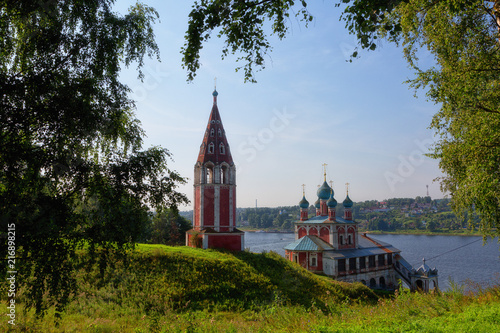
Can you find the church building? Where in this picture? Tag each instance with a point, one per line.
(331, 244)
(214, 213)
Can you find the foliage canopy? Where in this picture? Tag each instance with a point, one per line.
(72, 172)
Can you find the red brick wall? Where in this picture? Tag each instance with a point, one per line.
(233, 189)
(208, 207)
(224, 209)
(228, 242)
(197, 203)
(324, 234)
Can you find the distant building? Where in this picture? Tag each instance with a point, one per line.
(214, 214)
(332, 245)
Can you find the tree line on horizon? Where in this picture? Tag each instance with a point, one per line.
(419, 213)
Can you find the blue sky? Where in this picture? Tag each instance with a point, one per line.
(308, 108)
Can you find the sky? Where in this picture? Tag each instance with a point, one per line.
(309, 107)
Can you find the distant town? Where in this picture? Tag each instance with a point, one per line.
(420, 214)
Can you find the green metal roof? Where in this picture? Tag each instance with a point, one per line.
(324, 219)
(309, 243)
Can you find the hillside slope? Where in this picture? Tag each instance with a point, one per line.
(161, 278)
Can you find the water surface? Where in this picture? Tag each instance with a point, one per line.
(457, 258)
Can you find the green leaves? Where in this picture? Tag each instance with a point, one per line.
(463, 38)
(72, 169)
(242, 24)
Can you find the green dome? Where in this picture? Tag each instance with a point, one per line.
(324, 191)
(304, 203)
(215, 93)
(347, 202)
(331, 203)
(317, 204)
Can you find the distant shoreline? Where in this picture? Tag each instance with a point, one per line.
(379, 232)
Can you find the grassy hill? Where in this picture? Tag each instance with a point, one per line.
(179, 289)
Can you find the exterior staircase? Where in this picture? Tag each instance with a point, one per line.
(423, 278)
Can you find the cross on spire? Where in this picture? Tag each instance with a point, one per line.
(324, 170)
(347, 188)
(303, 189)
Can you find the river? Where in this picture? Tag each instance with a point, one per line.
(457, 258)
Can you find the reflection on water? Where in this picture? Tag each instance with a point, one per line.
(474, 261)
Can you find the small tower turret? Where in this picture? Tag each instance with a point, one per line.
(347, 205)
(304, 206)
(323, 195)
(332, 206)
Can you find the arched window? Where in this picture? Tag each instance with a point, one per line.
(224, 175)
(222, 149)
(349, 239)
(211, 148)
(210, 174)
(382, 282)
(212, 132)
(219, 132)
(341, 240)
(314, 260)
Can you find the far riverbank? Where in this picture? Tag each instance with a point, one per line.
(380, 232)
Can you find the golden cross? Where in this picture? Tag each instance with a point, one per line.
(215, 83)
(304, 189)
(347, 188)
(324, 170)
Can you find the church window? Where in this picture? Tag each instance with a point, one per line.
(371, 261)
(219, 132)
(212, 132)
(373, 283)
(222, 149)
(362, 263)
(211, 148)
(224, 177)
(381, 260)
(210, 175)
(352, 264)
(341, 240)
(349, 239)
(382, 282)
(341, 265)
(314, 260)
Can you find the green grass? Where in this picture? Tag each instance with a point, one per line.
(180, 289)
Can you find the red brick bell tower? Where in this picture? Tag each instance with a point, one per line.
(214, 213)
